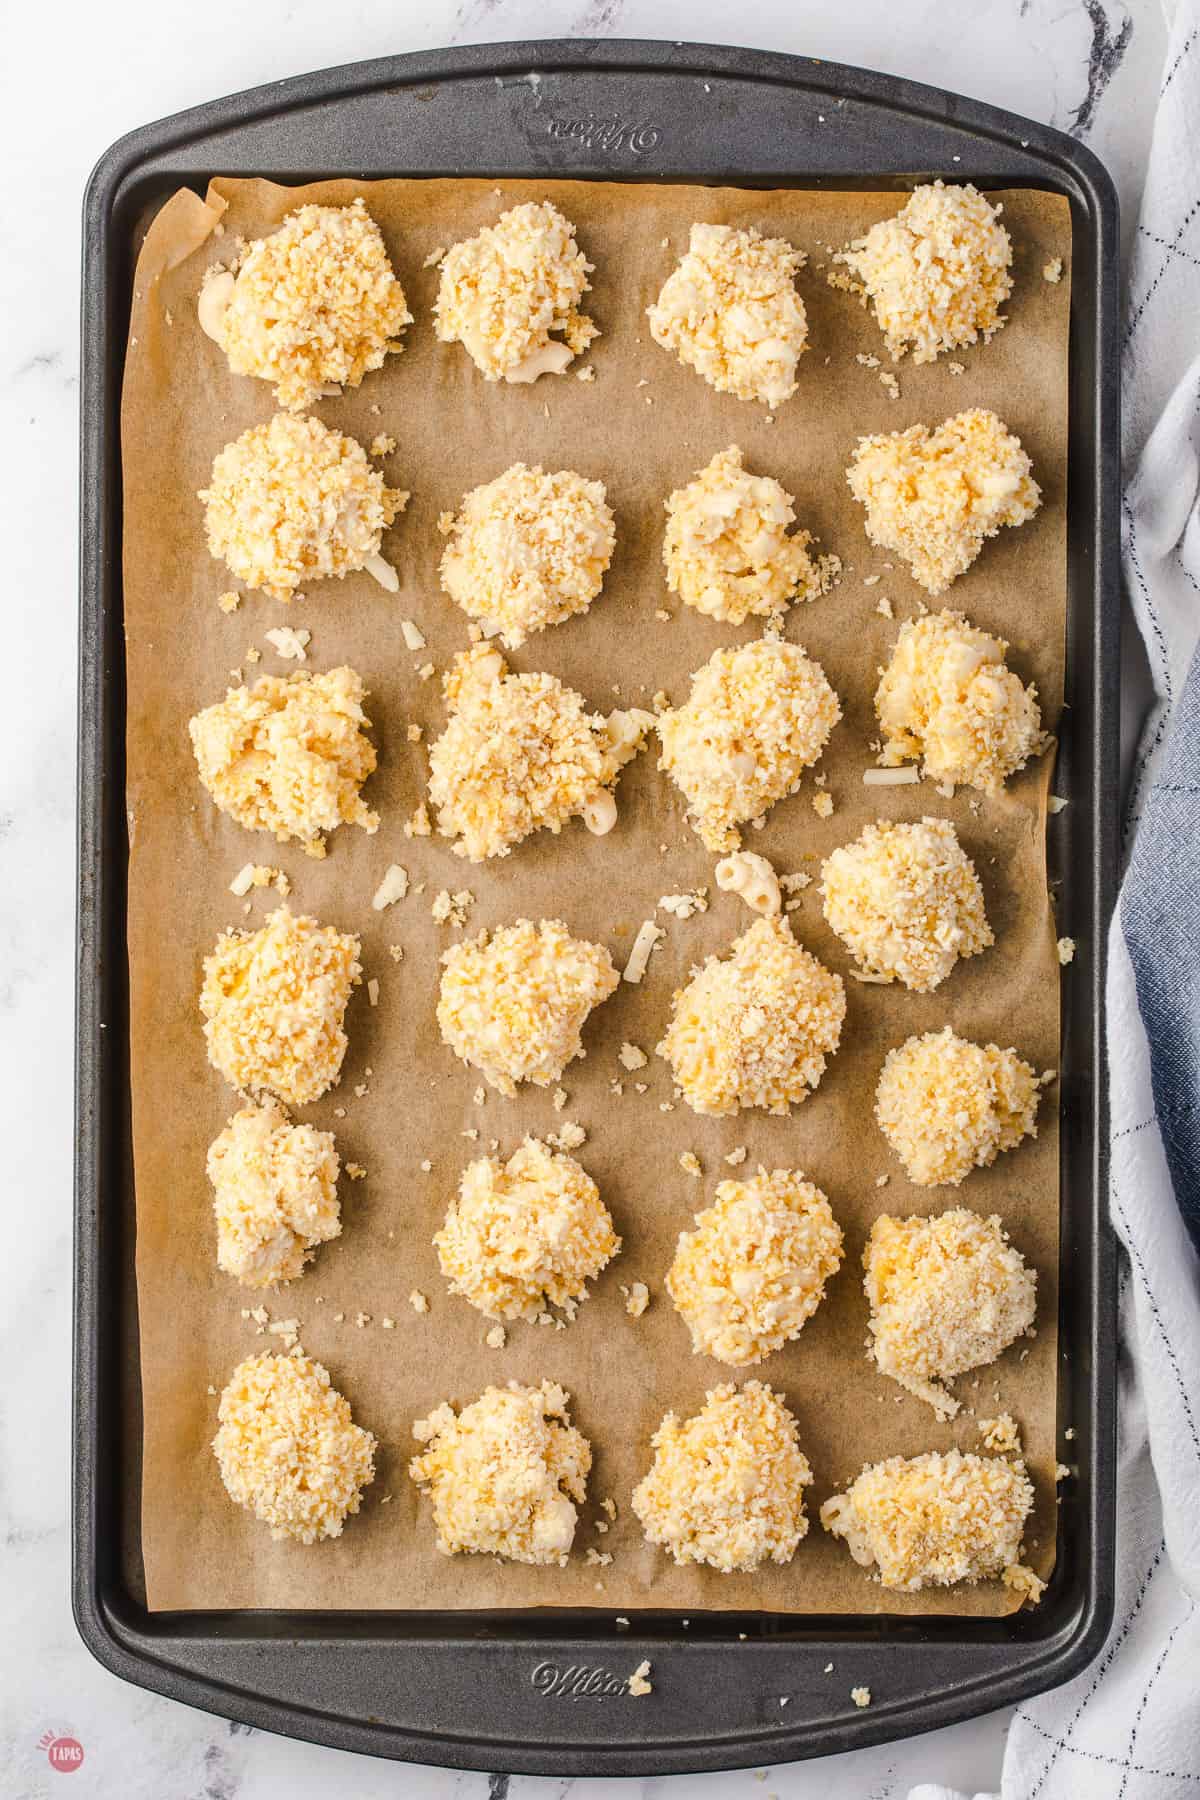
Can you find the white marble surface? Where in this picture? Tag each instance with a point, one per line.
(77, 78)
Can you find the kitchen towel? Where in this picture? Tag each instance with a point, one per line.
(1128, 1728)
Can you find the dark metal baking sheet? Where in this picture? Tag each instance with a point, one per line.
(543, 1692)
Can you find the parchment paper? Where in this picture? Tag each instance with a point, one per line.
(643, 426)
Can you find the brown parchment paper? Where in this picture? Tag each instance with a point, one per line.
(643, 426)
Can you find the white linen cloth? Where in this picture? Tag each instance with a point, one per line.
(1128, 1728)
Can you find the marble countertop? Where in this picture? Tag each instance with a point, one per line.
(83, 77)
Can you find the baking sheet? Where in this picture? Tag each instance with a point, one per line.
(180, 405)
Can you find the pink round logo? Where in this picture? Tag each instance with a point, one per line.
(64, 1754)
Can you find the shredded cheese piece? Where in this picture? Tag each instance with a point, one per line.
(934, 1520)
(273, 1001)
(754, 1028)
(754, 1270)
(274, 1195)
(937, 273)
(906, 901)
(512, 1004)
(525, 1234)
(507, 294)
(730, 311)
(289, 755)
(528, 550)
(947, 696)
(947, 1294)
(726, 1487)
(757, 716)
(947, 1106)
(288, 1448)
(292, 501)
(727, 550)
(520, 753)
(505, 1474)
(933, 496)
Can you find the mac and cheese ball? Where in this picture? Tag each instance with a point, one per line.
(754, 1028)
(288, 1448)
(757, 716)
(312, 307)
(947, 1294)
(754, 1270)
(273, 1002)
(289, 755)
(513, 1002)
(906, 902)
(726, 1487)
(730, 311)
(526, 1234)
(510, 295)
(505, 1475)
(947, 1106)
(274, 1195)
(527, 550)
(933, 496)
(948, 698)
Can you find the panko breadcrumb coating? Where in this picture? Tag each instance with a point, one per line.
(274, 1195)
(948, 697)
(511, 295)
(754, 1270)
(525, 1234)
(521, 753)
(273, 1002)
(289, 1450)
(937, 273)
(291, 501)
(726, 1487)
(730, 311)
(934, 495)
(527, 550)
(289, 755)
(513, 1002)
(727, 550)
(754, 1028)
(947, 1106)
(906, 901)
(947, 1294)
(505, 1474)
(934, 1520)
(314, 305)
(758, 715)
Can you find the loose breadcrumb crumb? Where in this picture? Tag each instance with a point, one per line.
(726, 1487)
(947, 1294)
(512, 1004)
(382, 444)
(934, 1520)
(292, 501)
(504, 1474)
(274, 1195)
(906, 901)
(229, 602)
(637, 1298)
(754, 1270)
(418, 1301)
(757, 716)
(511, 294)
(288, 1448)
(288, 645)
(935, 495)
(528, 550)
(525, 1234)
(1053, 270)
(631, 1057)
(727, 550)
(273, 1002)
(638, 1685)
(1002, 1434)
(948, 697)
(316, 304)
(947, 1106)
(393, 887)
(1066, 950)
(289, 755)
(861, 1696)
(822, 805)
(937, 274)
(754, 1028)
(730, 311)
